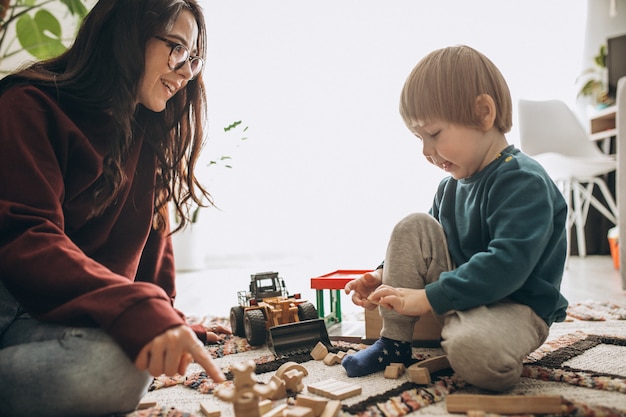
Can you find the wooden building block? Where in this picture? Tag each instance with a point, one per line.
(293, 380)
(265, 406)
(146, 404)
(419, 375)
(332, 409)
(287, 366)
(333, 389)
(210, 410)
(332, 359)
(504, 404)
(420, 372)
(281, 388)
(276, 411)
(475, 413)
(319, 352)
(394, 370)
(298, 411)
(435, 364)
(427, 331)
(316, 404)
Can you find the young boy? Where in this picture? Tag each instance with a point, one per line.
(488, 258)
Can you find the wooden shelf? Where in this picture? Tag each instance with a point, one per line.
(604, 134)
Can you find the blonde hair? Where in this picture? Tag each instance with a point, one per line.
(444, 86)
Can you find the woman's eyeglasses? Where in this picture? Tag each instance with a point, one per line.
(179, 55)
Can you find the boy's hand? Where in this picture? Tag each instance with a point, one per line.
(405, 301)
(363, 287)
(172, 351)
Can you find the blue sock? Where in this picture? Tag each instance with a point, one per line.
(377, 357)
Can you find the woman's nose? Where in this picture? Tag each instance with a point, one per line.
(186, 70)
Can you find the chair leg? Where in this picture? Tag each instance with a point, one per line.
(611, 212)
(578, 198)
(566, 190)
(579, 220)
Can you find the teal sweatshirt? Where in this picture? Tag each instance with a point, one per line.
(505, 228)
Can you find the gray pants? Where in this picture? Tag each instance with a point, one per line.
(485, 345)
(51, 370)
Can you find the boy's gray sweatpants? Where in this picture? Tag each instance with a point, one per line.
(485, 345)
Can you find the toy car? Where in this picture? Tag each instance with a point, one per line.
(265, 305)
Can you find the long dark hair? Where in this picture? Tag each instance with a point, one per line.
(101, 71)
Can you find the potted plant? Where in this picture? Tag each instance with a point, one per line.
(189, 250)
(594, 80)
(31, 26)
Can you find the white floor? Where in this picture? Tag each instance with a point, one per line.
(213, 291)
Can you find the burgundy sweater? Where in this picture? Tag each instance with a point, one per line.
(113, 271)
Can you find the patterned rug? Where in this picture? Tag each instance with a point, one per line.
(595, 311)
(583, 361)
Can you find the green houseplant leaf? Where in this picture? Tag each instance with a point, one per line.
(32, 26)
(76, 7)
(41, 35)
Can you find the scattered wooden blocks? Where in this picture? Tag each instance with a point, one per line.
(298, 411)
(419, 375)
(332, 359)
(332, 409)
(305, 406)
(394, 370)
(210, 410)
(504, 404)
(291, 373)
(293, 380)
(146, 404)
(246, 392)
(276, 412)
(420, 372)
(335, 390)
(319, 352)
(316, 404)
(281, 388)
(435, 364)
(265, 406)
(287, 366)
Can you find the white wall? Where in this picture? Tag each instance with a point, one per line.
(329, 166)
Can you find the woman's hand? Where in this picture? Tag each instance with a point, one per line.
(216, 332)
(363, 287)
(172, 351)
(409, 302)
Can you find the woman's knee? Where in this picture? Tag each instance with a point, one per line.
(113, 375)
(86, 374)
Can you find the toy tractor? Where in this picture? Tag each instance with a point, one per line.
(267, 305)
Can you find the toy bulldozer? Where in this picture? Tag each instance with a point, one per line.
(268, 307)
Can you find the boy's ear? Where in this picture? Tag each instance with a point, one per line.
(485, 109)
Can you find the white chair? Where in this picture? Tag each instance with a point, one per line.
(551, 133)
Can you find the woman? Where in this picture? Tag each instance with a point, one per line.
(94, 145)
